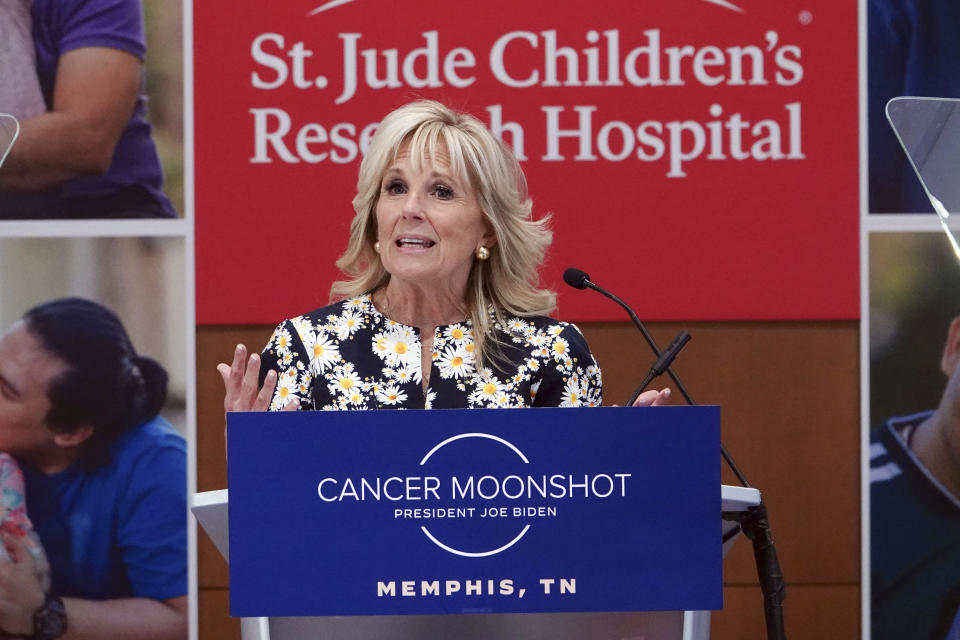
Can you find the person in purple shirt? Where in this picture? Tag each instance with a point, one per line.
(90, 155)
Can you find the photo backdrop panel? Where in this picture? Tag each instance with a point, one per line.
(711, 143)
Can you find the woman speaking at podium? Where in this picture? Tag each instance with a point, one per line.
(441, 307)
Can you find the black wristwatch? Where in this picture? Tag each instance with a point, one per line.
(50, 620)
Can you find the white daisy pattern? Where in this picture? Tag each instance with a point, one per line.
(350, 356)
(455, 362)
(324, 354)
(391, 395)
(287, 389)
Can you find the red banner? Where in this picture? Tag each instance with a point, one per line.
(699, 157)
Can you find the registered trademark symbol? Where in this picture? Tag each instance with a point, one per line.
(805, 17)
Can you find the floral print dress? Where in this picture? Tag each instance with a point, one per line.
(14, 520)
(350, 356)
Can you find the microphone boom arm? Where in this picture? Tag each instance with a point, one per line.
(673, 376)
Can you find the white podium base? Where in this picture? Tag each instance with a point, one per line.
(210, 508)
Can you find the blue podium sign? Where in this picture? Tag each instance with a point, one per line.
(474, 511)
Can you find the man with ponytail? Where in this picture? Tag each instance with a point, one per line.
(105, 480)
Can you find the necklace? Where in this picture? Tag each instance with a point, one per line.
(426, 341)
(383, 306)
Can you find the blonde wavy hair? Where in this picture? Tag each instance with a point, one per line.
(506, 283)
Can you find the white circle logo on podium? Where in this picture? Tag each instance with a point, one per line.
(475, 554)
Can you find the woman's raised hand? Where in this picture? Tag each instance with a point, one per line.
(241, 380)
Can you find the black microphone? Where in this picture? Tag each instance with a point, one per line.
(662, 364)
(576, 278)
(666, 358)
(579, 279)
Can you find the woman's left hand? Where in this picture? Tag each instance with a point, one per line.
(653, 398)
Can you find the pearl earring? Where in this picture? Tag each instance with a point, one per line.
(376, 246)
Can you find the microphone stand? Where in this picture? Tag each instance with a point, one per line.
(754, 522)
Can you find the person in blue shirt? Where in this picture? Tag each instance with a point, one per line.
(105, 480)
(912, 50)
(915, 516)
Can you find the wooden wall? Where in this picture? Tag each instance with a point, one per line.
(790, 398)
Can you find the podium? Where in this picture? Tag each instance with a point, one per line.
(608, 615)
